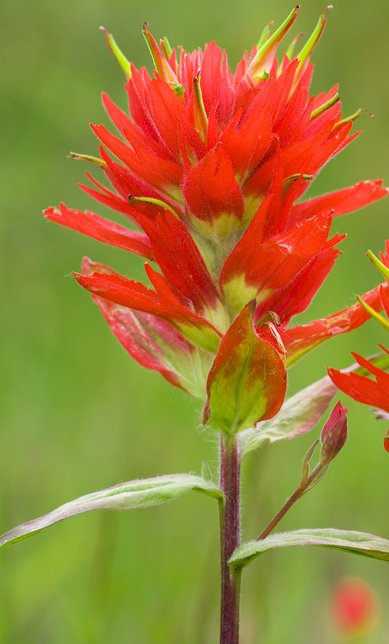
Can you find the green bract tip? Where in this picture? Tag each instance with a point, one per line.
(325, 106)
(153, 202)
(384, 270)
(86, 157)
(373, 313)
(117, 52)
(267, 43)
(265, 34)
(312, 41)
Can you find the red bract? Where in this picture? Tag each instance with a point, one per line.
(211, 165)
(364, 389)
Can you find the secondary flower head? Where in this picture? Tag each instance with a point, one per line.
(210, 165)
(355, 608)
(373, 392)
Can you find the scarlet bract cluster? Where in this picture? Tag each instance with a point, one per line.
(371, 391)
(211, 166)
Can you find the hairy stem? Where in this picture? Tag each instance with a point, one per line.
(229, 540)
(287, 505)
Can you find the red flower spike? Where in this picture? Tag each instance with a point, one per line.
(334, 434)
(210, 164)
(247, 381)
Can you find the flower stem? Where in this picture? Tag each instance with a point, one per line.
(306, 484)
(229, 540)
(281, 513)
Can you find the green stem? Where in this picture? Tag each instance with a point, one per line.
(229, 540)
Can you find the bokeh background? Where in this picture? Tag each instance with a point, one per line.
(78, 415)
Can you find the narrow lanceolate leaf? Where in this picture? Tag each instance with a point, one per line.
(247, 381)
(142, 493)
(300, 413)
(360, 543)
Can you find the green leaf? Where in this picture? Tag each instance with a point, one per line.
(300, 413)
(142, 493)
(360, 543)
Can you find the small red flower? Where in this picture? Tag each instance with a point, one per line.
(211, 165)
(355, 608)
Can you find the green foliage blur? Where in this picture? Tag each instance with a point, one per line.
(77, 414)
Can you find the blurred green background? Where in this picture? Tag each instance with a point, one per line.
(77, 414)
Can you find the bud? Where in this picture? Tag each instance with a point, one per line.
(334, 434)
(355, 608)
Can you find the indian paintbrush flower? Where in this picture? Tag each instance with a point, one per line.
(211, 166)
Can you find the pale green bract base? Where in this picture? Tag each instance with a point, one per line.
(142, 493)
